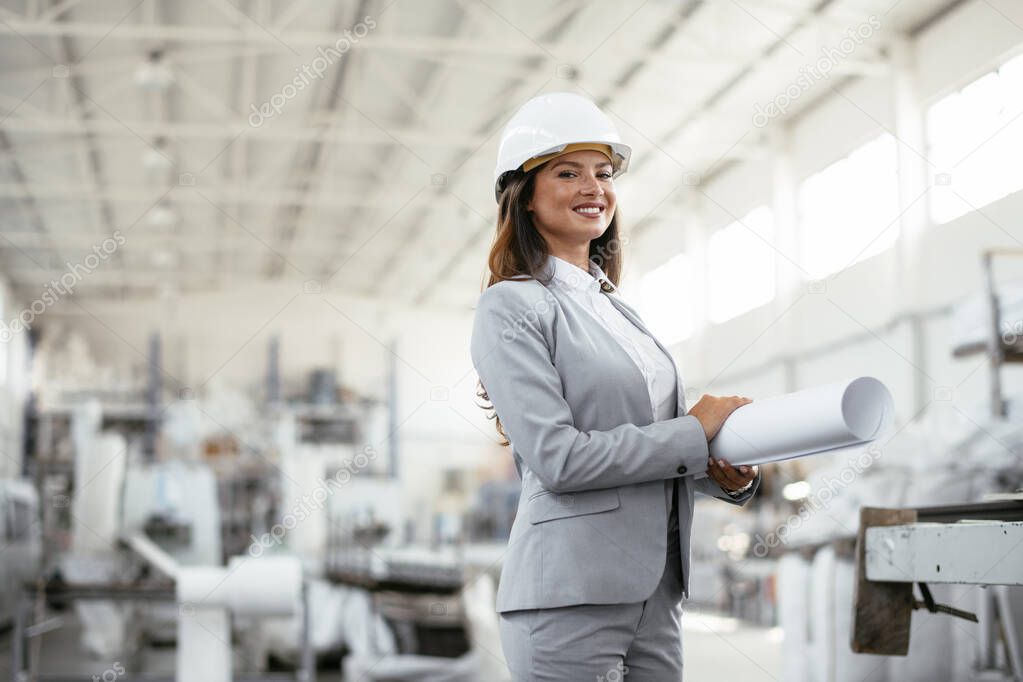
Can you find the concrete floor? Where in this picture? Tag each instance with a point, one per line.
(60, 652)
(715, 648)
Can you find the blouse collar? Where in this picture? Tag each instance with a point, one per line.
(572, 276)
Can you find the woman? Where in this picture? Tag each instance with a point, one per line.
(593, 406)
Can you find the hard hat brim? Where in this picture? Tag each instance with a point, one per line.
(621, 155)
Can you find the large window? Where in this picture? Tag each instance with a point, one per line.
(740, 265)
(849, 211)
(975, 138)
(665, 300)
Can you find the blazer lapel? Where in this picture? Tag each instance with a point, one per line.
(680, 405)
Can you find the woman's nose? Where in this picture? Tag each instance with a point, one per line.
(592, 186)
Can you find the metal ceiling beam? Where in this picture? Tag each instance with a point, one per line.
(289, 15)
(533, 80)
(203, 55)
(88, 157)
(195, 33)
(57, 10)
(27, 203)
(150, 275)
(754, 63)
(719, 163)
(184, 49)
(430, 91)
(185, 244)
(309, 159)
(238, 153)
(99, 295)
(184, 195)
(528, 87)
(217, 131)
(416, 46)
(194, 56)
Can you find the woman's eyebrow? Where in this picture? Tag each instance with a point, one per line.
(578, 165)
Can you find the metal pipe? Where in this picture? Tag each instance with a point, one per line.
(1001, 510)
(996, 353)
(307, 673)
(18, 637)
(154, 554)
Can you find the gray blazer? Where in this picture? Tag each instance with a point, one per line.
(591, 524)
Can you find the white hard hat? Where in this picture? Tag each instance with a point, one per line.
(547, 124)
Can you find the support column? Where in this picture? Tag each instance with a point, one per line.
(913, 178)
(789, 281)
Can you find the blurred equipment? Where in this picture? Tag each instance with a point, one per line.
(175, 505)
(992, 323)
(484, 661)
(22, 542)
(817, 574)
(323, 387)
(208, 596)
(947, 544)
(493, 511)
(99, 471)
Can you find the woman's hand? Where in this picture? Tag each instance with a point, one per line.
(728, 477)
(712, 411)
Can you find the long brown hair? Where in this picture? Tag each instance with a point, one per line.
(520, 250)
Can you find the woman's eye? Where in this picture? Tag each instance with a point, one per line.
(563, 174)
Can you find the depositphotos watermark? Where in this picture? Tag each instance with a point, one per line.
(575, 276)
(312, 501)
(315, 69)
(110, 674)
(64, 286)
(820, 499)
(615, 674)
(819, 70)
(1011, 332)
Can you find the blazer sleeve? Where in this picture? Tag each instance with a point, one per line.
(513, 359)
(709, 487)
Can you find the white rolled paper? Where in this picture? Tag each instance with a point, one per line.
(806, 422)
(248, 586)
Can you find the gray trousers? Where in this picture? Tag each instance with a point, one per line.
(640, 642)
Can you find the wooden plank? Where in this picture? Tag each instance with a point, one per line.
(882, 611)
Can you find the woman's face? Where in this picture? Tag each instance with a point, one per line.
(574, 197)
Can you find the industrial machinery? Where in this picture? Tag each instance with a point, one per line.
(972, 544)
(21, 539)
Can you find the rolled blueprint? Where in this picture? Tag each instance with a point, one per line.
(806, 422)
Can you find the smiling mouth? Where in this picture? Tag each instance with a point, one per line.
(589, 212)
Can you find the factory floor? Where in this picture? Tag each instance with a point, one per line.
(715, 647)
(61, 652)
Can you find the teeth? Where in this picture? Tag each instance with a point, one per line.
(592, 211)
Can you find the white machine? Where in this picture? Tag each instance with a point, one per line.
(21, 540)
